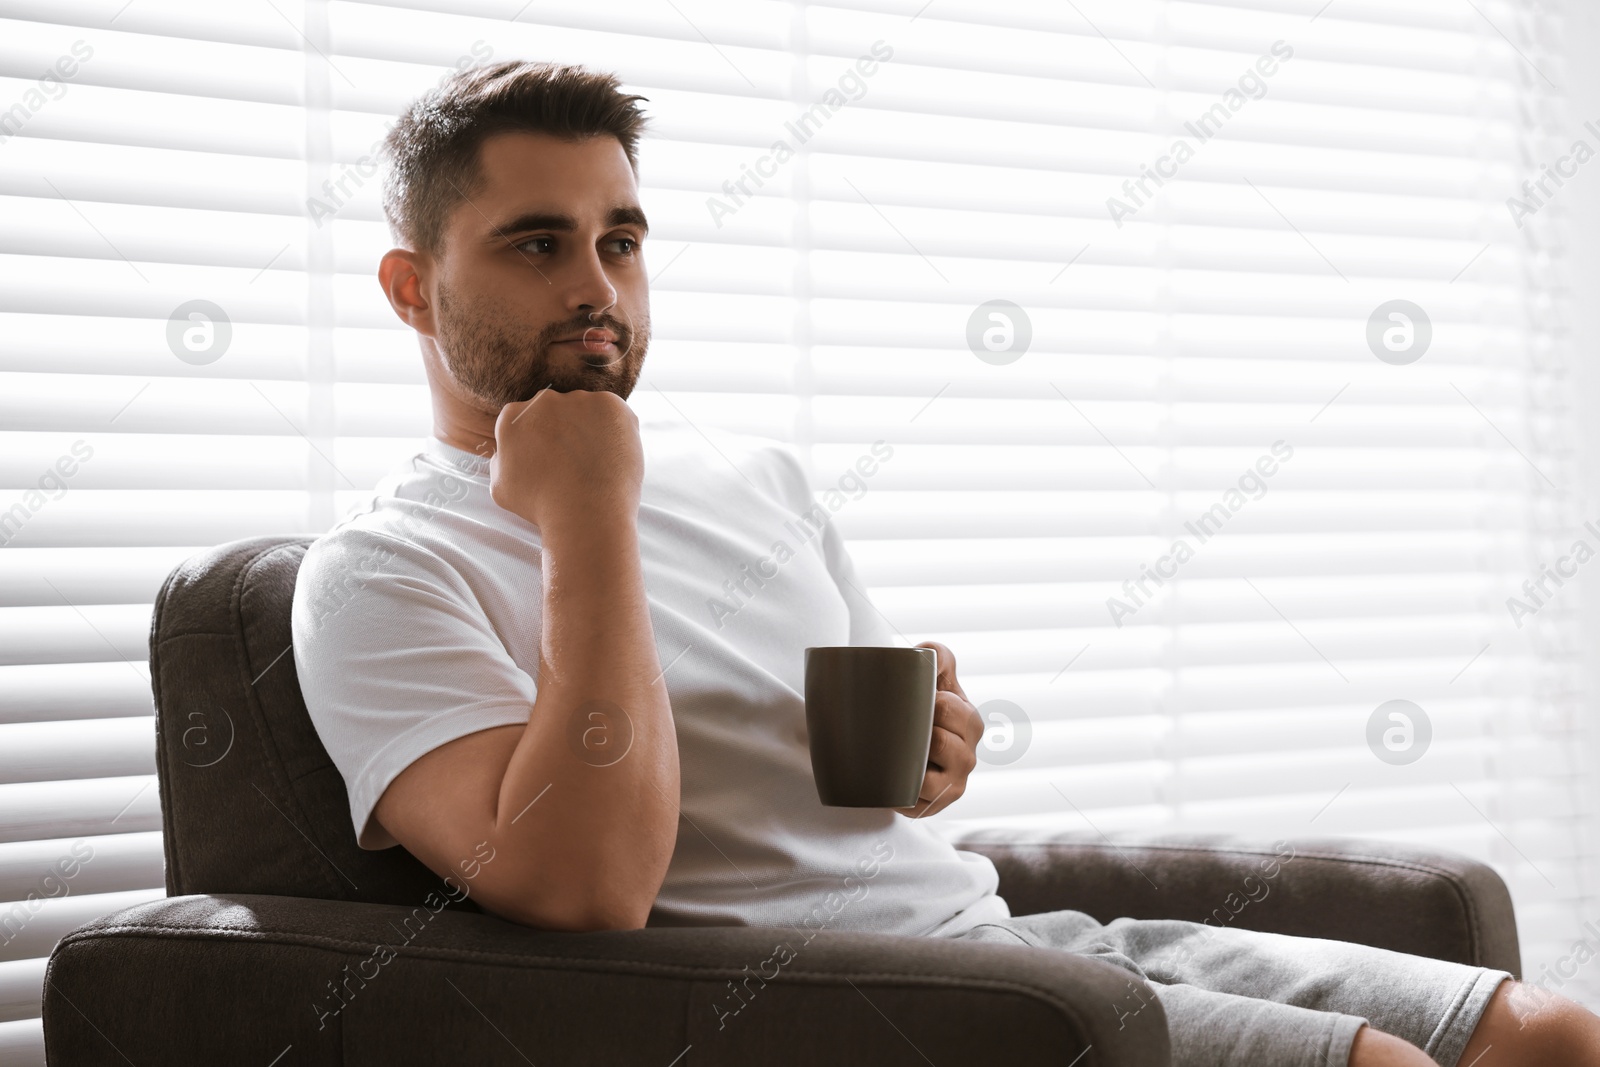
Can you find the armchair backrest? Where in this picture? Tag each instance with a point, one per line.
(250, 801)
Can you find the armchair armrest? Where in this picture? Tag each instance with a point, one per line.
(1408, 898)
(241, 978)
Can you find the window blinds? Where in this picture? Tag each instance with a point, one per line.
(1090, 270)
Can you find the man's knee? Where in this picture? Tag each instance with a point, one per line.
(1544, 1027)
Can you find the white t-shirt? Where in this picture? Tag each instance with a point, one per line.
(417, 620)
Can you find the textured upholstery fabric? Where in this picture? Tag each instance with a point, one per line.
(270, 816)
(1402, 897)
(235, 979)
(280, 935)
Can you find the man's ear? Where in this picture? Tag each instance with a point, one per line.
(400, 275)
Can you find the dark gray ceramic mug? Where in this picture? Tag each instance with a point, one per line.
(869, 714)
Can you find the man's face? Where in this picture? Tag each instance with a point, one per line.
(549, 247)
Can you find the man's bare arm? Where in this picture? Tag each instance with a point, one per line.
(581, 838)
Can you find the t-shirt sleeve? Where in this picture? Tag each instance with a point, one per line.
(868, 625)
(395, 658)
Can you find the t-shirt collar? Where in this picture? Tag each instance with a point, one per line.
(472, 465)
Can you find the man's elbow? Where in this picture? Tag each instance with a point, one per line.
(584, 921)
(586, 913)
(596, 921)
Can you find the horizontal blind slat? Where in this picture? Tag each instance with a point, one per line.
(84, 808)
(54, 867)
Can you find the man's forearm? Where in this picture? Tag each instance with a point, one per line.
(593, 828)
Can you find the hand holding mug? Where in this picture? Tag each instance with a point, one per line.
(953, 749)
(889, 727)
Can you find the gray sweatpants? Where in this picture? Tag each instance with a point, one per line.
(1239, 998)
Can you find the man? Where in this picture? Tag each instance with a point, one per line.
(509, 652)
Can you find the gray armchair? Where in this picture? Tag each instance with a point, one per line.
(281, 942)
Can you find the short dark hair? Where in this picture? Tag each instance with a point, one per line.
(433, 149)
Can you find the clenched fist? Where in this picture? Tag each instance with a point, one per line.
(567, 455)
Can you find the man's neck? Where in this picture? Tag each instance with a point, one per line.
(456, 420)
(468, 440)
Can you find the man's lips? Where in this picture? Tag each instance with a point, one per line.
(595, 339)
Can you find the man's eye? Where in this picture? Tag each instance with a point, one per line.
(523, 245)
(633, 245)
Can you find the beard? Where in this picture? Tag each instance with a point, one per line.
(500, 364)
